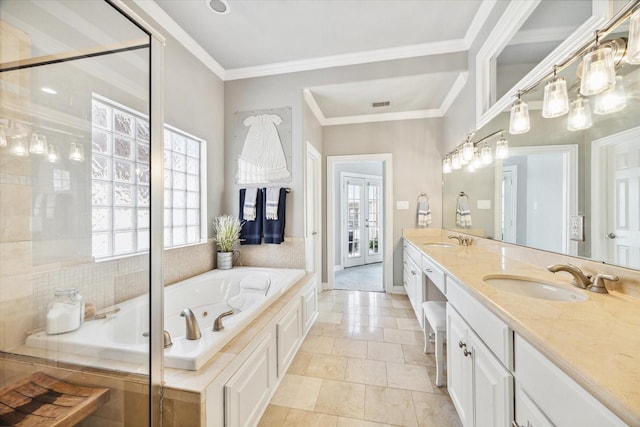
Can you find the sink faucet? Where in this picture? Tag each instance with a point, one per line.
(464, 241)
(217, 324)
(193, 330)
(585, 281)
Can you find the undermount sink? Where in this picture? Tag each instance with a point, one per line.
(439, 245)
(534, 288)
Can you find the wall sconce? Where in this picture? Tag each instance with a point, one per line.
(598, 70)
(19, 147)
(455, 161)
(467, 151)
(611, 100)
(633, 46)
(485, 154)
(519, 119)
(76, 152)
(38, 144)
(579, 114)
(556, 100)
(52, 153)
(502, 148)
(446, 165)
(476, 162)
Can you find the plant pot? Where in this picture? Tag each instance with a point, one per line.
(225, 260)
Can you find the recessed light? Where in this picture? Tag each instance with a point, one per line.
(49, 90)
(221, 7)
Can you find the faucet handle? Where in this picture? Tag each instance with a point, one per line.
(598, 283)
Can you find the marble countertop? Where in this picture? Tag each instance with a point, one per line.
(596, 341)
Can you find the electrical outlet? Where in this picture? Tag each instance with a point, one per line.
(576, 228)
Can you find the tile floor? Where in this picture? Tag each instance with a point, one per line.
(361, 365)
(361, 278)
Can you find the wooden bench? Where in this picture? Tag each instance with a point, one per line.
(41, 400)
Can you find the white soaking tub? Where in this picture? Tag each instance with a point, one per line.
(124, 336)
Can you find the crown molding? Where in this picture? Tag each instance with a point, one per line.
(313, 105)
(478, 21)
(453, 93)
(541, 35)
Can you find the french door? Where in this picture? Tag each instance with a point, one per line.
(361, 218)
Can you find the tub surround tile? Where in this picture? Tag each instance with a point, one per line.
(288, 254)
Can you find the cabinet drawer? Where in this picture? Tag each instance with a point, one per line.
(434, 273)
(563, 401)
(411, 251)
(493, 331)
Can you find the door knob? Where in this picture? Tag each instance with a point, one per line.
(313, 233)
(611, 236)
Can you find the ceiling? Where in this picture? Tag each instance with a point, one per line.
(267, 37)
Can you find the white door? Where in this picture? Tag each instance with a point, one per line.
(361, 218)
(313, 210)
(509, 203)
(623, 192)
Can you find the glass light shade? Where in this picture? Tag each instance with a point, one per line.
(76, 152)
(446, 165)
(19, 147)
(455, 161)
(579, 114)
(502, 148)
(476, 162)
(3, 136)
(467, 151)
(470, 167)
(556, 100)
(519, 120)
(485, 154)
(598, 71)
(52, 154)
(612, 100)
(38, 144)
(633, 44)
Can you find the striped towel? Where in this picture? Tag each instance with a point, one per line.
(424, 213)
(249, 208)
(273, 198)
(463, 213)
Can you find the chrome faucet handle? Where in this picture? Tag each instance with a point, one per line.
(598, 284)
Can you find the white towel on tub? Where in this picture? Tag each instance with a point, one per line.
(255, 282)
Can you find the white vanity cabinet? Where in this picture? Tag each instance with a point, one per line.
(412, 280)
(546, 396)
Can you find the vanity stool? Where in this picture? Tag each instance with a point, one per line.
(435, 320)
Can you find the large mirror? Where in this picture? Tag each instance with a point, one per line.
(571, 192)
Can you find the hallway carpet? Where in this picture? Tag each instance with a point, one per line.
(361, 365)
(361, 278)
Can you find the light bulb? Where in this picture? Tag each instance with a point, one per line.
(76, 152)
(556, 100)
(38, 144)
(19, 147)
(598, 71)
(476, 162)
(519, 119)
(611, 100)
(446, 165)
(485, 154)
(633, 45)
(502, 148)
(52, 153)
(579, 114)
(467, 151)
(455, 161)
(3, 136)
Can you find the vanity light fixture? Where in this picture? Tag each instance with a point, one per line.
(485, 154)
(19, 147)
(455, 161)
(446, 165)
(52, 153)
(38, 144)
(3, 136)
(519, 119)
(475, 161)
(598, 70)
(76, 152)
(611, 100)
(467, 150)
(579, 114)
(633, 46)
(556, 100)
(502, 148)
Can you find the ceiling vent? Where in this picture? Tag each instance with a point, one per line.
(381, 104)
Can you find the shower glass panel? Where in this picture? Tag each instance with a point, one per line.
(66, 321)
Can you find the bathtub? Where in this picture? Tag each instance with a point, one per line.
(124, 336)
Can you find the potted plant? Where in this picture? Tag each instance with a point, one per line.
(226, 232)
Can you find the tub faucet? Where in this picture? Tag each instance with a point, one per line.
(464, 241)
(217, 324)
(193, 330)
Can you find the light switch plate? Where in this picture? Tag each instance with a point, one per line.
(576, 228)
(402, 205)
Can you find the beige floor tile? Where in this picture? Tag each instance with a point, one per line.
(390, 405)
(300, 362)
(388, 352)
(317, 344)
(399, 303)
(329, 317)
(435, 410)
(406, 313)
(316, 329)
(335, 331)
(349, 348)
(341, 398)
(273, 416)
(327, 366)
(296, 391)
(408, 377)
(365, 371)
(352, 422)
(325, 306)
(408, 324)
(368, 333)
(399, 336)
(298, 418)
(415, 355)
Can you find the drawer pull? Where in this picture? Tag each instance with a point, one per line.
(466, 352)
(428, 270)
(461, 344)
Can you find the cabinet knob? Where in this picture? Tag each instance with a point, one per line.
(466, 352)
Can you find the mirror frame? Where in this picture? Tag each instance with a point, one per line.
(506, 28)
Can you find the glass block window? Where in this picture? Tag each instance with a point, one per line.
(121, 196)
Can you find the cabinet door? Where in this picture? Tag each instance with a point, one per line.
(459, 367)
(309, 307)
(527, 413)
(492, 387)
(288, 336)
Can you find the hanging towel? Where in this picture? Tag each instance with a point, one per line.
(251, 232)
(424, 211)
(249, 207)
(463, 213)
(274, 228)
(262, 159)
(271, 205)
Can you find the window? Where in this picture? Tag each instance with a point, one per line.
(121, 182)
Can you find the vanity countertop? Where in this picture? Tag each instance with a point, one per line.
(594, 341)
